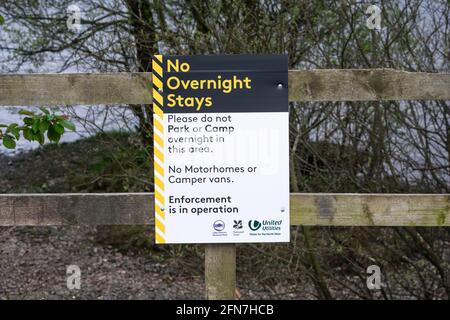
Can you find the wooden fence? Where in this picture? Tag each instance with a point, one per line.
(306, 209)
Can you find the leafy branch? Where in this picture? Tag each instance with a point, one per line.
(34, 128)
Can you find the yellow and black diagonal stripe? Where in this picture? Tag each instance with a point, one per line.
(158, 146)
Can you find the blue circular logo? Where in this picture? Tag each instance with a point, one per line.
(219, 225)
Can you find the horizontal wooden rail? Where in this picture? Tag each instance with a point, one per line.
(367, 85)
(304, 85)
(306, 209)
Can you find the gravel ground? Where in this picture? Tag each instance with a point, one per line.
(34, 261)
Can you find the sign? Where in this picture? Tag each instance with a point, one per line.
(221, 148)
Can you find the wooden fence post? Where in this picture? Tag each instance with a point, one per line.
(220, 271)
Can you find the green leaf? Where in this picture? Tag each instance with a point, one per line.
(11, 127)
(68, 125)
(28, 121)
(26, 112)
(41, 138)
(27, 134)
(16, 133)
(44, 110)
(8, 142)
(2, 20)
(34, 136)
(43, 125)
(53, 135)
(36, 125)
(59, 128)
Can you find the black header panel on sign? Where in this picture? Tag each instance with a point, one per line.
(225, 83)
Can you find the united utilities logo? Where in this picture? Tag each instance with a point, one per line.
(265, 226)
(254, 225)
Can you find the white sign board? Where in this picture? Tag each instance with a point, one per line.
(221, 149)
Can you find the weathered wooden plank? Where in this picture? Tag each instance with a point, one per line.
(367, 85)
(306, 209)
(370, 209)
(74, 89)
(220, 271)
(74, 209)
(304, 85)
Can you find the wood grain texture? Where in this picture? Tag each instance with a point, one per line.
(367, 85)
(304, 85)
(370, 209)
(220, 271)
(74, 89)
(76, 209)
(306, 209)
